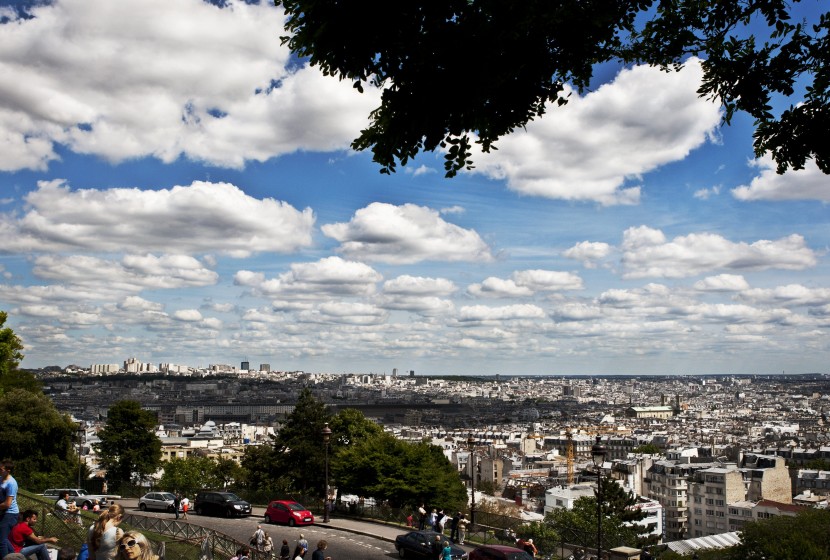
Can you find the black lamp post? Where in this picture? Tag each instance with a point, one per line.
(598, 453)
(326, 437)
(470, 443)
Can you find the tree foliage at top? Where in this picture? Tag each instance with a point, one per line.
(455, 68)
(129, 449)
(579, 525)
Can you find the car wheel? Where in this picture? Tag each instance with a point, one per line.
(291, 522)
(171, 509)
(267, 518)
(142, 506)
(199, 511)
(401, 552)
(228, 513)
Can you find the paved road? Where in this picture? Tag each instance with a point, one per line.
(348, 539)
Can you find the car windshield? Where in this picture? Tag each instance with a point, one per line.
(296, 507)
(83, 493)
(231, 497)
(167, 496)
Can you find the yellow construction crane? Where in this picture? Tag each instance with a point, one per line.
(569, 454)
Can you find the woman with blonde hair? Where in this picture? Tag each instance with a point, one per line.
(104, 533)
(135, 546)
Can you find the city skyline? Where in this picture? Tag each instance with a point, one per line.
(184, 193)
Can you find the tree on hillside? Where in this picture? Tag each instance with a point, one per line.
(458, 68)
(579, 525)
(38, 438)
(401, 472)
(647, 449)
(786, 538)
(192, 473)
(10, 349)
(129, 449)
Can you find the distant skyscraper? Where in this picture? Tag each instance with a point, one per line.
(245, 366)
(412, 373)
(264, 367)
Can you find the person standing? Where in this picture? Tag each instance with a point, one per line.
(462, 528)
(422, 517)
(8, 506)
(258, 538)
(454, 526)
(268, 546)
(432, 519)
(24, 540)
(177, 503)
(446, 552)
(285, 550)
(437, 548)
(185, 506)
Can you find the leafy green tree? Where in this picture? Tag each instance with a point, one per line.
(401, 472)
(647, 449)
(261, 481)
(38, 438)
(459, 67)
(10, 350)
(786, 538)
(193, 473)
(579, 525)
(129, 449)
(544, 536)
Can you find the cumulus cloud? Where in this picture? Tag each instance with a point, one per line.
(589, 253)
(648, 253)
(523, 283)
(802, 184)
(203, 217)
(704, 194)
(588, 149)
(789, 295)
(405, 234)
(722, 283)
(331, 275)
(418, 285)
(161, 90)
(480, 313)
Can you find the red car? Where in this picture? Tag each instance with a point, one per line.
(286, 511)
(498, 552)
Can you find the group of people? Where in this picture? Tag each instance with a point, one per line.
(437, 520)
(527, 546)
(105, 540)
(262, 542)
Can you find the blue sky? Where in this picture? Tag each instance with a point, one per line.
(159, 200)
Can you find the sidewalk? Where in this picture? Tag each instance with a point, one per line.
(378, 530)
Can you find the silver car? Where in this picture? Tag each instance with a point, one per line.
(162, 501)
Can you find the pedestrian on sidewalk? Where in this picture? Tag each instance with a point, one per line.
(462, 528)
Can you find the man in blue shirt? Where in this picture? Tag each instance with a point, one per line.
(8, 506)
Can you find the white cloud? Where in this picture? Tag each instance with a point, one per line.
(170, 79)
(499, 288)
(525, 283)
(133, 273)
(803, 184)
(588, 252)
(704, 194)
(589, 148)
(647, 253)
(202, 217)
(328, 276)
(405, 234)
(187, 315)
(722, 283)
(503, 313)
(407, 285)
(789, 295)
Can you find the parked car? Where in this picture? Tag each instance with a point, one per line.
(418, 544)
(78, 495)
(499, 552)
(162, 501)
(286, 511)
(225, 504)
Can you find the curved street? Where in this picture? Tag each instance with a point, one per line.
(348, 539)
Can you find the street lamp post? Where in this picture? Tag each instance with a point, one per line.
(326, 438)
(470, 443)
(80, 450)
(598, 453)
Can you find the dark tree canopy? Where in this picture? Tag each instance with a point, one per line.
(10, 348)
(486, 67)
(129, 449)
